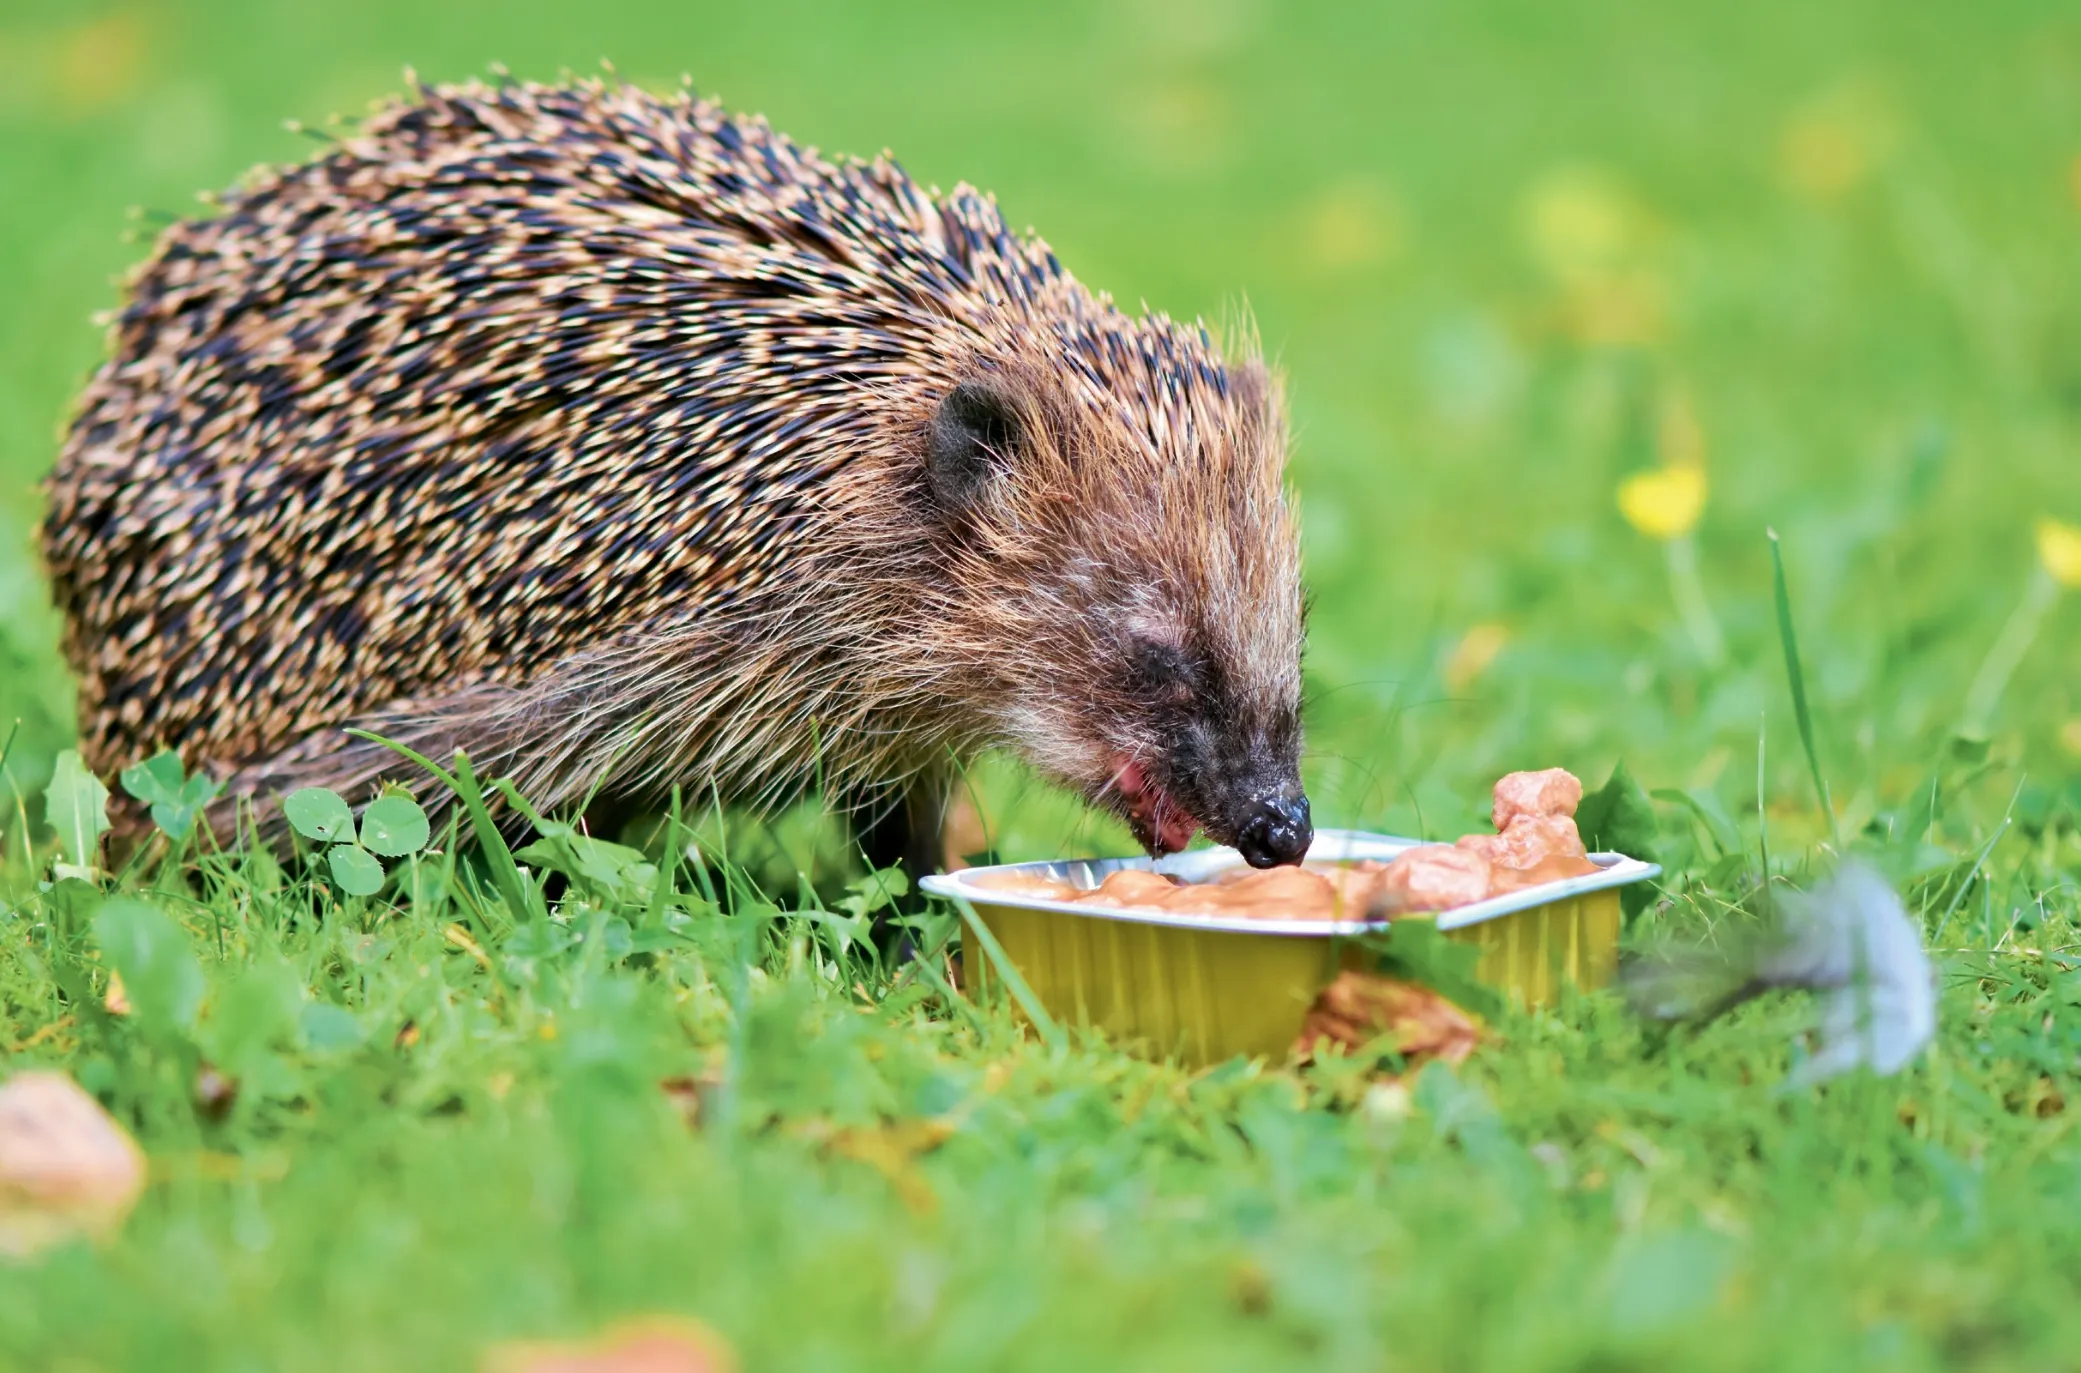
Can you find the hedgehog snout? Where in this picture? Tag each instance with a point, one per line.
(1278, 830)
(1247, 795)
(1258, 808)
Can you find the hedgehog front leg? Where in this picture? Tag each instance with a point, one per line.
(903, 827)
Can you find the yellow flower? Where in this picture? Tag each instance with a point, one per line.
(1664, 502)
(2059, 549)
(1472, 656)
(1578, 222)
(1355, 223)
(1181, 124)
(99, 63)
(1617, 308)
(1835, 142)
(1597, 244)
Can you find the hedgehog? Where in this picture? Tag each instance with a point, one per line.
(625, 445)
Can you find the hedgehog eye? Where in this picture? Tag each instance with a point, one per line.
(974, 436)
(1162, 669)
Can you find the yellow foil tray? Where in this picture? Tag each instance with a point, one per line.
(1205, 989)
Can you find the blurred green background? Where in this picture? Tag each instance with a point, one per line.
(1507, 255)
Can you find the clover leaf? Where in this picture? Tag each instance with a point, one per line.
(318, 814)
(392, 825)
(357, 873)
(175, 798)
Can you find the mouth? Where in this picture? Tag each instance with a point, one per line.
(1159, 823)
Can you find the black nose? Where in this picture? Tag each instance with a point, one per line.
(1279, 832)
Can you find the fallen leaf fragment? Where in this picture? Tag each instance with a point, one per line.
(903, 1139)
(460, 938)
(1250, 1287)
(890, 1150)
(214, 1165)
(692, 1095)
(1358, 1008)
(116, 1001)
(215, 1093)
(657, 1345)
(66, 1167)
(43, 1035)
(1388, 1102)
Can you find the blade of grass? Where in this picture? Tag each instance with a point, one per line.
(1762, 809)
(925, 968)
(1793, 672)
(975, 803)
(523, 898)
(20, 805)
(750, 932)
(463, 782)
(668, 867)
(504, 787)
(737, 883)
(1957, 897)
(1043, 1023)
(699, 867)
(2006, 654)
(816, 744)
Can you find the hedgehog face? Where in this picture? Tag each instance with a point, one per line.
(1200, 748)
(1137, 586)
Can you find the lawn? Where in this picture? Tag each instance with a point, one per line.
(1540, 277)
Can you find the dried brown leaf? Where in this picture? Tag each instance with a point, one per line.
(655, 1345)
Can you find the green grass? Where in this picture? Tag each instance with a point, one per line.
(1494, 248)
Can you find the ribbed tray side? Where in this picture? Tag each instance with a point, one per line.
(1533, 953)
(1204, 996)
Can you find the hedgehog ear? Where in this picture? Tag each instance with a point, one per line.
(975, 435)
